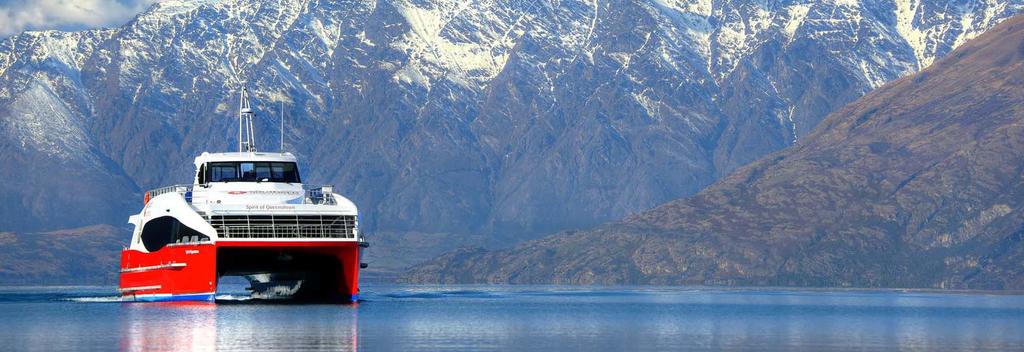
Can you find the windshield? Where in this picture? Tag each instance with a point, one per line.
(250, 172)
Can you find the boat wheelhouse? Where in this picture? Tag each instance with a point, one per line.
(247, 214)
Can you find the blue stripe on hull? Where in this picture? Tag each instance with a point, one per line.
(209, 297)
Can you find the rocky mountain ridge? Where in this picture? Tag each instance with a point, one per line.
(504, 119)
(918, 184)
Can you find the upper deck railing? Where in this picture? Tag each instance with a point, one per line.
(181, 189)
(319, 195)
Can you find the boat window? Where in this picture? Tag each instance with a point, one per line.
(201, 175)
(288, 172)
(247, 171)
(164, 230)
(223, 172)
(252, 172)
(263, 171)
(282, 171)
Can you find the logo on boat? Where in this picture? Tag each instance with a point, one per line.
(269, 193)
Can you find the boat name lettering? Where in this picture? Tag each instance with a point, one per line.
(268, 207)
(191, 251)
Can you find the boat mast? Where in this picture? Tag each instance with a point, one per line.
(246, 131)
(282, 125)
(240, 121)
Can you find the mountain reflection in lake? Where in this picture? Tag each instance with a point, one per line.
(393, 317)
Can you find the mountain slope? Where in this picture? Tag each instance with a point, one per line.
(82, 256)
(513, 119)
(918, 184)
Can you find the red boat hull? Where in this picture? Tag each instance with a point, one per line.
(190, 271)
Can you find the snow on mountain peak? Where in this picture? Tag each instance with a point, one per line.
(490, 109)
(456, 41)
(696, 7)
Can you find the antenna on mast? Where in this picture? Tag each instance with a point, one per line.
(246, 131)
(281, 108)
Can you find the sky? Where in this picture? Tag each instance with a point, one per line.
(20, 15)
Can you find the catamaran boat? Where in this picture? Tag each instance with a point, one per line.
(246, 214)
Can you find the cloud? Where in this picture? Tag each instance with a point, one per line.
(20, 15)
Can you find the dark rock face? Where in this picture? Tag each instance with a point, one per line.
(504, 119)
(82, 256)
(918, 184)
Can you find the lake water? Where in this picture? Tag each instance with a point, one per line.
(402, 318)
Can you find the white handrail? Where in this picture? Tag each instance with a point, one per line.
(182, 189)
(319, 194)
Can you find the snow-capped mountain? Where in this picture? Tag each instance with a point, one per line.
(514, 118)
(916, 184)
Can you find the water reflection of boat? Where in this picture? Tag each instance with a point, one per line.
(163, 327)
(243, 326)
(246, 214)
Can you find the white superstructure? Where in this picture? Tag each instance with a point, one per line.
(251, 196)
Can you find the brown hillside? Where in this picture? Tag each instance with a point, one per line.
(917, 184)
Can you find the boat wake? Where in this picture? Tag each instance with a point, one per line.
(232, 298)
(103, 299)
(416, 294)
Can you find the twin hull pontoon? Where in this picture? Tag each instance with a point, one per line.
(246, 214)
